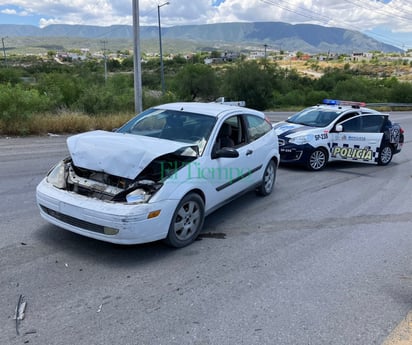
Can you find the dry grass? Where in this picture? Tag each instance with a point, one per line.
(63, 123)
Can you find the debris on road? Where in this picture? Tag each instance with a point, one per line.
(20, 310)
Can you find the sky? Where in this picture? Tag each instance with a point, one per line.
(389, 21)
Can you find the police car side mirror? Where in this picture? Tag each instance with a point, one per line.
(339, 128)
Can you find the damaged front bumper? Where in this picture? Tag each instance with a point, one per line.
(107, 221)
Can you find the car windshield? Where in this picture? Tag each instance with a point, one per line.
(315, 117)
(173, 125)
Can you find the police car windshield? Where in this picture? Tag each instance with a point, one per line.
(314, 117)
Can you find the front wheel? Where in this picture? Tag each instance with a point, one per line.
(317, 160)
(187, 221)
(268, 180)
(385, 154)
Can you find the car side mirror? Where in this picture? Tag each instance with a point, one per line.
(339, 128)
(225, 152)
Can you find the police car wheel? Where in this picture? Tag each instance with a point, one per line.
(317, 160)
(385, 155)
(268, 180)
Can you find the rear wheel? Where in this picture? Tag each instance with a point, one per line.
(187, 221)
(317, 160)
(385, 154)
(268, 180)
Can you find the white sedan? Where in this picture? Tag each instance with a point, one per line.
(160, 174)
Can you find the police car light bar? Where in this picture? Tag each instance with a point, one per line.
(340, 102)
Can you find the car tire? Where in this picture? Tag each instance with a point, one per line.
(187, 221)
(268, 179)
(317, 160)
(385, 154)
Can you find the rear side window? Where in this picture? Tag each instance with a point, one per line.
(365, 124)
(257, 127)
(373, 123)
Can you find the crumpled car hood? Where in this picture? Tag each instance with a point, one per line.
(124, 155)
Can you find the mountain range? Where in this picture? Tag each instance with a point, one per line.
(273, 35)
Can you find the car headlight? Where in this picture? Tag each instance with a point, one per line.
(301, 140)
(138, 196)
(57, 175)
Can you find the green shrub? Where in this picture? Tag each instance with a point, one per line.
(195, 81)
(249, 82)
(10, 75)
(63, 89)
(401, 92)
(18, 103)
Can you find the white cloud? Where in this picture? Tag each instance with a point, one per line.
(9, 11)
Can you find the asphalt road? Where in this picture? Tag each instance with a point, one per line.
(326, 259)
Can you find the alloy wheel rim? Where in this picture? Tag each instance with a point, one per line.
(317, 160)
(386, 155)
(269, 178)
(187, 220)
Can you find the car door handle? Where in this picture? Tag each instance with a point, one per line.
(249, 152)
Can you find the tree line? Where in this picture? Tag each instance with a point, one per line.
(36, 87)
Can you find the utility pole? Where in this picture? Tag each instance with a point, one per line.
(162, 74)
(105, 59)
(136, 59)
(4, 50)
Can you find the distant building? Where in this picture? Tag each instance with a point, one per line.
(230, 56)
(257, 55)
(209, 61)
(328, 57)
(68, 57)
(224, 57)
(361, 56)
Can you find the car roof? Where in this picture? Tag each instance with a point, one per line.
(211, 109)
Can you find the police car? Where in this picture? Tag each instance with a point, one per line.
(338, 131)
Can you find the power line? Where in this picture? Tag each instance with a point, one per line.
(391, 14)
(400, 9)
(324, 19)
(378, 10)
(310, 14)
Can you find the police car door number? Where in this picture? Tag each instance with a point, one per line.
(322, 136)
